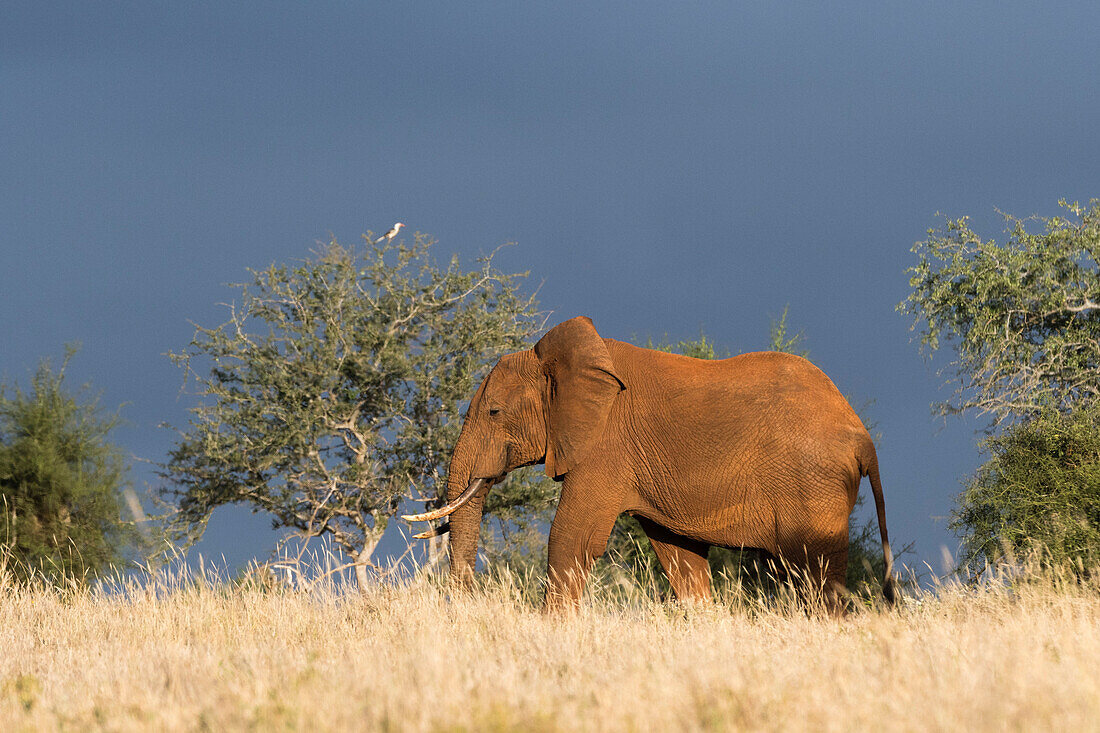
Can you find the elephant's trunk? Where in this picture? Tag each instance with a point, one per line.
(466, 492)
(465, 519)
(465, 498)
(465, 528)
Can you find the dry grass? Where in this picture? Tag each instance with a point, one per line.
(185, 654)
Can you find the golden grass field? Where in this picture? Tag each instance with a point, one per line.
(178, 653)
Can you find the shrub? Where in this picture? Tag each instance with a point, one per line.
(1039, 492)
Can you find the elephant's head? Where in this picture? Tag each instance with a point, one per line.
(546, 405)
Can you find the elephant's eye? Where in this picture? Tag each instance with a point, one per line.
(494, 411)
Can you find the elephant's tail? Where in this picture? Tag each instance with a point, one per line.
(870, 470)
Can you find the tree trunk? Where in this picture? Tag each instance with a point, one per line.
(361, 577)
(362, 562)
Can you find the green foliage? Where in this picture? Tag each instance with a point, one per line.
(1024, 320)
(700, 348)
(60, 481)
(1021, 315)
(333, 393)
(520, 510)
(1038, 494)
(780, 339)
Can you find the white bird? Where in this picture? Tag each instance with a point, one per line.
(390, 234)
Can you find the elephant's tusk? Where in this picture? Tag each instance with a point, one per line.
(443, 511)
(434, 532)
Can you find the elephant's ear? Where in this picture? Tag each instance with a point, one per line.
(581, 386)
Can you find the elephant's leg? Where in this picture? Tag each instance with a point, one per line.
(578, 535)
(684, 561)
(824, 569)
(834, 579)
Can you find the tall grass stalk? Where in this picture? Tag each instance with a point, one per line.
(179, 649)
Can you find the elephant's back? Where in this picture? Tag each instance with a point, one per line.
(745, 396)
(778, 373)
(758, 378)
(790, 389)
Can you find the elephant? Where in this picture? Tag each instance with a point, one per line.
(755, 451)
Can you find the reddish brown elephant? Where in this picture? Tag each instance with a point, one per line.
(758, 451)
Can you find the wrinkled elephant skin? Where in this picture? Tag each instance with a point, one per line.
(760, 450)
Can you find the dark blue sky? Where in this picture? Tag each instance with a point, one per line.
(664, 168)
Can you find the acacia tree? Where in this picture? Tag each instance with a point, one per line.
(332, 394)
(1023, 316)
(1024, 320)
(61, 481)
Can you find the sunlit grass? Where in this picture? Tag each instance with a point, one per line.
(179, 650)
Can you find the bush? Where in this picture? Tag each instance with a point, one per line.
(61, 482)
(1039, 493)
